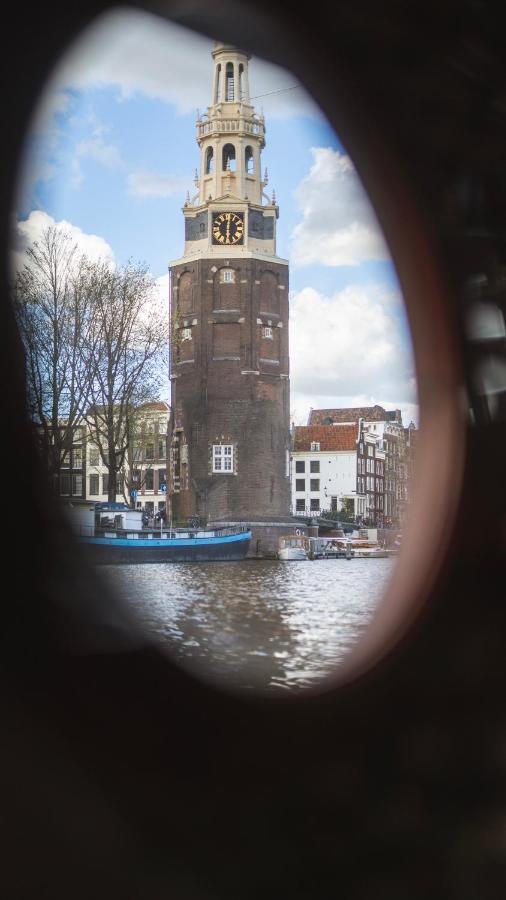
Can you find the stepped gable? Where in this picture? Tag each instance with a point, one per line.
(348, 414)
(330, 437)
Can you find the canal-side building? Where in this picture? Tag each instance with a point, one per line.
(387, 490)
(142, 481)
(230, 434)
(324, 471)
(71, 479)
(371, 455)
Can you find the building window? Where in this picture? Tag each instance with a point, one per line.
(300, 505)
(93, 485)
(300, 465)
(229, 80)
(361, 446)
(223, 458)
(228, 276)
(105, 483)
(162, 448)
(64, 484)
(315, 446)
(249, 161)
(209, 161)
(228, 157)
(314, 466)
(300, 484)
(77, 485)
(370, 450)
(77, 458)
(148, 480)
(186, 334)
(267, 332)
(333, 504)
(315, 504)
(94, 457)
(150, 450)
(314, 484)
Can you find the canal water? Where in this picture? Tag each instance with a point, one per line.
(259, 624)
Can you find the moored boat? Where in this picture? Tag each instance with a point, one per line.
(365, 548)
(171, 545)
(332, 548)
(122, 539)
(293, 547)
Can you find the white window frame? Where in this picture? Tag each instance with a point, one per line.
(228, 276)
(267, 332)
(223, 459)
(315, 446)
(186, 334)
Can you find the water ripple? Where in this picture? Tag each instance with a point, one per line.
(264, 625)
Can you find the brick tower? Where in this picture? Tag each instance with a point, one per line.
(229, 322)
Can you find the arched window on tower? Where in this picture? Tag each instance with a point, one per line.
(230, 81)
(229, 158)
(241, 82)
(249, 161)
(209, 161)
(218, 84)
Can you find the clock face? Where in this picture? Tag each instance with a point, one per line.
(228, 228)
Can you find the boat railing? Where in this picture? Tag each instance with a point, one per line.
(164, 532)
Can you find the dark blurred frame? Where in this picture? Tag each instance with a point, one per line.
(120, 769)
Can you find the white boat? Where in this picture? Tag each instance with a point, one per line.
(293, 547)
(371, 551)
(333, 547)
(365, 548)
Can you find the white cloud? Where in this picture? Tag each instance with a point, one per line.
(163, 290)
(151, 184)
(338, 226)
(350, 349)
(29, 230)
(99, 150)
(141, 53)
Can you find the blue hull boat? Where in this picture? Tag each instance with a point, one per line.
(167, 546)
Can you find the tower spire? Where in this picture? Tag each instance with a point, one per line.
(230, 135)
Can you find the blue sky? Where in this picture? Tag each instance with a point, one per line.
(112, 152)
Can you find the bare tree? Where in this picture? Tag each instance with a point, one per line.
(128, 356)
(55, 319)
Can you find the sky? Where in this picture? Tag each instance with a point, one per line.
(111, 153)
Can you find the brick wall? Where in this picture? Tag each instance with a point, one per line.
(236, 388)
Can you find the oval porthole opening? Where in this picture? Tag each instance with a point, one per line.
(233, 245)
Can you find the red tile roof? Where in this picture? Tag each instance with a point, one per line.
(330, 437)
(348, 414)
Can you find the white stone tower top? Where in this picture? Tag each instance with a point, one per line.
(230, 208)
(230, 135)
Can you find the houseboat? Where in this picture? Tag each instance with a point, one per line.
(116, 535)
